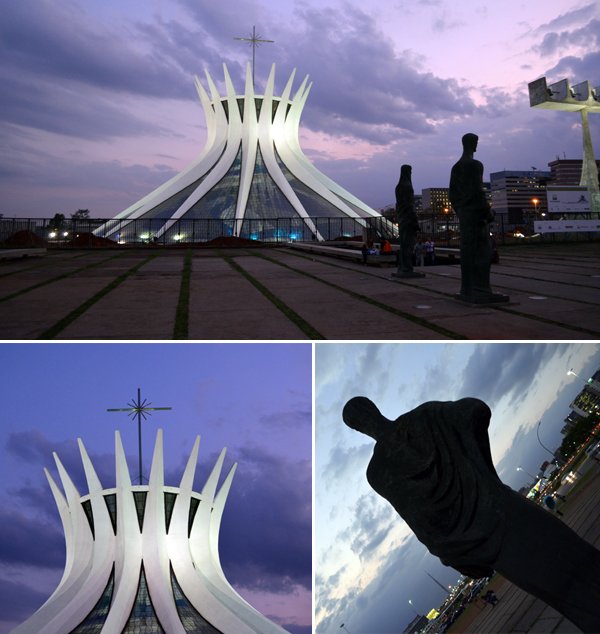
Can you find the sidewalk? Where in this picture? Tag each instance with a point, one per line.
(284, 294)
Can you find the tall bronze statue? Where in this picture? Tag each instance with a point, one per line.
(474, 216)
(408, 225)
(434, 465)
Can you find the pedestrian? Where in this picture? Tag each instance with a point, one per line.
(491, 598)
(365, 252)
(430, 252)
(419, 254)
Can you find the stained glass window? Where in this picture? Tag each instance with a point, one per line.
(142, 619)
(193, 622)
(94, 621)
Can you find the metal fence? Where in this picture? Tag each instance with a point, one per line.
(101, 232)
(82, 233)
(445, 231)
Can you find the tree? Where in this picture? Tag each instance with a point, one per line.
(57, 222)
(578, 434)
(81, 214)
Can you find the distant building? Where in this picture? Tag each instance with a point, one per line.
(588, 400)
(566, 171)
(570, 422)
(416, 625)
(418, 203)
(518, 196)
(436, 200)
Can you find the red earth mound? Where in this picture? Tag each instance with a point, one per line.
(24, 239)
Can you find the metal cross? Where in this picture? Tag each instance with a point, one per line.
(139, 409)
(255, 41)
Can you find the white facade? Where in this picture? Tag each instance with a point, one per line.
(253, 159)
(107, 554)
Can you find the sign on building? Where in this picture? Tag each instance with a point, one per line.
(568, 200)
(565, 226)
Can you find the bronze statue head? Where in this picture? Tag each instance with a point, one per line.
(361, 414)
(469, 142)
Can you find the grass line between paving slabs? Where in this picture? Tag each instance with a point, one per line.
(552, 322)
(369, 300)
(39, 265)
(59, 326)
(62, 276)
(497, 307)
(180, 330)
(292, 315)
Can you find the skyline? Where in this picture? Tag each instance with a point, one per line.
(233, 395)
(368, 563)
(99, 104)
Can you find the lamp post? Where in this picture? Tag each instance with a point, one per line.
(537, 431)
(527, 472)
(413, 607)
(343, 626)
(572, 373)
(580, 98)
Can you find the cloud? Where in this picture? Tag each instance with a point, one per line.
(59, 41)
(373, 522)
(571, 17)
(345, 462)
(499, 370)
(21, 599)
(66, 110)
(35, 448)
(578, 69)
(271, 500)
(27, 541)
(587, 37)
(385, 96)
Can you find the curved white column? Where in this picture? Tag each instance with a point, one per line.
(193, 557)
(228, 131)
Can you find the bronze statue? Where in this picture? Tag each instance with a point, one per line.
(434, 465)
(474, 216)
(408, 225)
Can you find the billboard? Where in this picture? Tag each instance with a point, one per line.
(565, 226)
(568, 200)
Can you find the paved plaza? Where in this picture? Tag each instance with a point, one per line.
(518, 611)
(279, 293)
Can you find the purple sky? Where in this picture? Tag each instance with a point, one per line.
(254, 399)
(98, 104)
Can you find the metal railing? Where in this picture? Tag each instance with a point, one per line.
(82, 233)
(159, 231)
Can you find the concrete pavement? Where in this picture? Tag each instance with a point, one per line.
(286, 294)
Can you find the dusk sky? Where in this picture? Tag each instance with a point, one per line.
(255, 399)
(99, 107)
(368, 564)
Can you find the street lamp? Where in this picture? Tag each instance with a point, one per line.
(537, 430)
(527, 472)
(572, 373)
(342, 626)
(536, 202)
(413, 607)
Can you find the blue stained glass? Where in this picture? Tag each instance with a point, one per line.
(94, 621)
(193, 622)
(314, 204)
(143, 619)
(220, 201)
